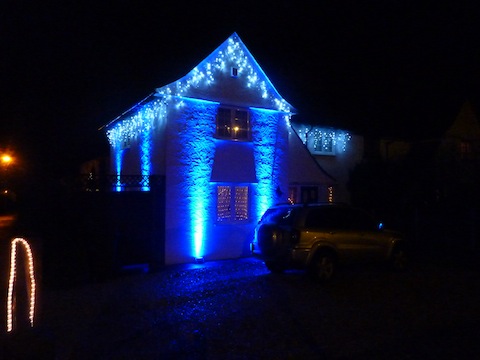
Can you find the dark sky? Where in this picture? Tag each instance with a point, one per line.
(396, 68)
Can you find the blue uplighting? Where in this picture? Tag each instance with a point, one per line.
(184, 149)
(118, 168)
(265, 140)
(145, 158)
(197, 159)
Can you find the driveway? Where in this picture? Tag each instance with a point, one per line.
(236, 309)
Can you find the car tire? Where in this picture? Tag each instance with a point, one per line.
(398, 258)
(323, 266)
(275, 267)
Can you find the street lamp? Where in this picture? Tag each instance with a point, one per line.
(6, 159)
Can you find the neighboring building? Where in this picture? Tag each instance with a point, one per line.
(392, 150)
(220, 137)
(458, 157)
(337, 152)
(461, 141)
(443, 168)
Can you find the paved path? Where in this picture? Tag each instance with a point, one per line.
(237, 310)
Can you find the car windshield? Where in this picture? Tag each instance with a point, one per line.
(282, 215)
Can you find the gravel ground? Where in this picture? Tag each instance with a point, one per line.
(237, 310)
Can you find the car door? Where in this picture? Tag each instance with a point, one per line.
(318, 228)
(361, 237)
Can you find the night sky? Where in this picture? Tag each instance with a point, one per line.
(390, 68)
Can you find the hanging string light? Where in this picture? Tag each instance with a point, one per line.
(234, 54)
(323, 140)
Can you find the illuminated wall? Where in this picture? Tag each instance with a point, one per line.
(172, 133)
(270, 138)
(190, 197)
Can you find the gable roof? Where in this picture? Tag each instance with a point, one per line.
(211, 80)
(230, 75)
(466, 125)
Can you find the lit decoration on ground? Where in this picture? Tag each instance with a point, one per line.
(30, 274)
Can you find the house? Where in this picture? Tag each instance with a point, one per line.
(336, 151)
(458, 157)
(446, 165)
(221, 139)
(427, 186)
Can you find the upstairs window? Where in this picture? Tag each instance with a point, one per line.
(233, 124)
(323, 144)
(465, 150)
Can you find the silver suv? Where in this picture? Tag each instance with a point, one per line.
(318, 237)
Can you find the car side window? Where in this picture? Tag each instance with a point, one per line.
(339, 218)
(360, 220)
(282, 216)
(314, 219)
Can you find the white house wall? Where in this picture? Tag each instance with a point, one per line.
(340, 165)
(192, 229)
(338, 161)
(305, 174)
(190, 198)
(174, 135)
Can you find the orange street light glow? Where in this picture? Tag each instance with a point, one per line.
(6, 159)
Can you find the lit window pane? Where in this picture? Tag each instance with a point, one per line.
(223, 203)
(223, 123)
(323, 142)
(240, 125)
(241, 203)
(328, 145)
(233, 124)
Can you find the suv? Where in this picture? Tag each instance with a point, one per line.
(317, 237)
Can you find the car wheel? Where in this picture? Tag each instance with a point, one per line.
(275, 267)
(398, 259)
(324, 266)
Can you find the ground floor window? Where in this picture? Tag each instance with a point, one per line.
(306, 194)
(232, 203)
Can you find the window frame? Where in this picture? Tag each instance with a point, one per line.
(220, 132)
(232, 204)
(318, 145)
